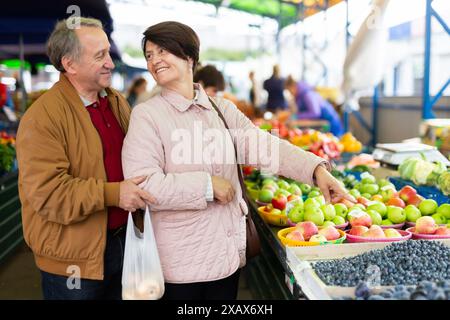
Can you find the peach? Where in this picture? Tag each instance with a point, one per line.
(375, 232)
(307, 228)
(425, 225)
(392, 233)
(317, 238)
(330, 233)
(358, 230)
(359, 218)
(295, 235)
(442, 231)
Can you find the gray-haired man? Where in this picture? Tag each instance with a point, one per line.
(74, 199)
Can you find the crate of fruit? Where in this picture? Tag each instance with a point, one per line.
(337, 272)
(428, 192)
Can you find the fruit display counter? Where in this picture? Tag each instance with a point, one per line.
(291, 215)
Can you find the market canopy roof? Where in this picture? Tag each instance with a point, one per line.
(288, 11)
(34, 20)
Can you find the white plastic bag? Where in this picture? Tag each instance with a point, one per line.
(142, 276)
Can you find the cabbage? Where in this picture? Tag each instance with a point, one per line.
(439, 168)
(407, 168)
(444, 183)
(421, 172)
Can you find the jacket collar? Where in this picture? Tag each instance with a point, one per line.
(73, 95)
(180, 103)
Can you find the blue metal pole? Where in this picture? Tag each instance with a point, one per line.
(427, 112)
(375, 105)
(347, 44)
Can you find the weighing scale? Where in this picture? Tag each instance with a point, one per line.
(396, 153)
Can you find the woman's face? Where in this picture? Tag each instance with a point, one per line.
(166, 68)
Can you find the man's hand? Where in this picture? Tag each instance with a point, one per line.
(223, 191)
(330, 186)
(132, 197)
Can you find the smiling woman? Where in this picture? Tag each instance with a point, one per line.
(201, 257)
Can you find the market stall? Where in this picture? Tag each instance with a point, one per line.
(408, 204)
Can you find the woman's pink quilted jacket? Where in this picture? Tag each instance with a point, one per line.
(199, 240)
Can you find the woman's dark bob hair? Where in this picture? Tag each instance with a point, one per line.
(175, 37)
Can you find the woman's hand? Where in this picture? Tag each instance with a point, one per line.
(330, 186)
(223, 191)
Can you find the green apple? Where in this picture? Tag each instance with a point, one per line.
(428, 207)
(444, 209)
(367, 178)
(283, 184)
(311, 203)
(282, 191)
(306, 188)
(328, 224)
(366, 195)
(376, 217)
(383, 182)
(370, 188)
(412, 213)
(386, 222)
(338, 220)
(358, 207)
(276, 211)
(379, 207)
(296, 214)
(313, 194)
(396, 214)
(341, 210)
(355, 193)
(269, 181)
(328, 211)
(265, 195)
(314, 215)
(320, 199)
(439, 218)
(295, 189)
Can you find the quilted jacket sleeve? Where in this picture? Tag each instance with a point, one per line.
(268, 152)
(143, 154)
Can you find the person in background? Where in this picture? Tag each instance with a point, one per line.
(210, 79)
(310, 105)
(275, 89)
(199, 214)
(3, 92)
(138, 87)
(75, 201)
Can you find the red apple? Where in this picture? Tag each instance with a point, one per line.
(406, 193)
(279, 202)
(330, 233)
(416, 200)
(441, 231)
(396, 202)
(359, 218)
(425, 225)
(308, 229)
(375, 232)
(358, 230)
(247, 170)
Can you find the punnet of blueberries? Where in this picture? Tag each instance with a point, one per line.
(425, 290)
(400, 263)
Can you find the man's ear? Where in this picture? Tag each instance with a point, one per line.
(68, 65)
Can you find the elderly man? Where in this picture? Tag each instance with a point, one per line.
(71, 185)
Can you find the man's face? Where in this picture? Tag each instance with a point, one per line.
(94, 66)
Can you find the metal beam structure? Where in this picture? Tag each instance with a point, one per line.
(306, 46)
(427, 100)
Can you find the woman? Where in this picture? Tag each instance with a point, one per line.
(138, 87)
(310, 105)
(199, 217)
